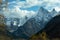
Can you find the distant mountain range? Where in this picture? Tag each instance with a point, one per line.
(35, 24)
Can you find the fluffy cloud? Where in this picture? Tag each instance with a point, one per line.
(26, 4)
(57, 8)
(52, 4)
(18, 13)
(48, 4)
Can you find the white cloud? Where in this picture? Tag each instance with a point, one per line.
(26, 4)
(57, 9)
(48, 4)
(17, 12)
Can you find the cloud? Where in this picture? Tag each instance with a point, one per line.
(52, 4)
(18, 13)
(57, 9)
(47, 4)
(26, 4)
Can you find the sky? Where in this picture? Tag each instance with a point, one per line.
(35, 4)
(31, 7)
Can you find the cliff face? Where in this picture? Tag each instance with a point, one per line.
(27, 30)
(52, 28)
(31, 27)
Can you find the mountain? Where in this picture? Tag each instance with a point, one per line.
(42, 16)
(27, 30)
(12, 24)
(32, 26)
(53, 13)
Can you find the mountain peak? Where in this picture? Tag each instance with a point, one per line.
(42, 9)
(53, 10)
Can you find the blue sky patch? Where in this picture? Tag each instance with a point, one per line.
(34, 8)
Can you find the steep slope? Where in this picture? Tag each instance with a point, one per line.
(42, 17)
(33, 25)
(27, 30)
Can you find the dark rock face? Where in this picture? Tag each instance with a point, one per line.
(51, 31)
(27, 30)
(31, 27)
(53, 27)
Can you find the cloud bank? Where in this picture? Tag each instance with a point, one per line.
(48, 4)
